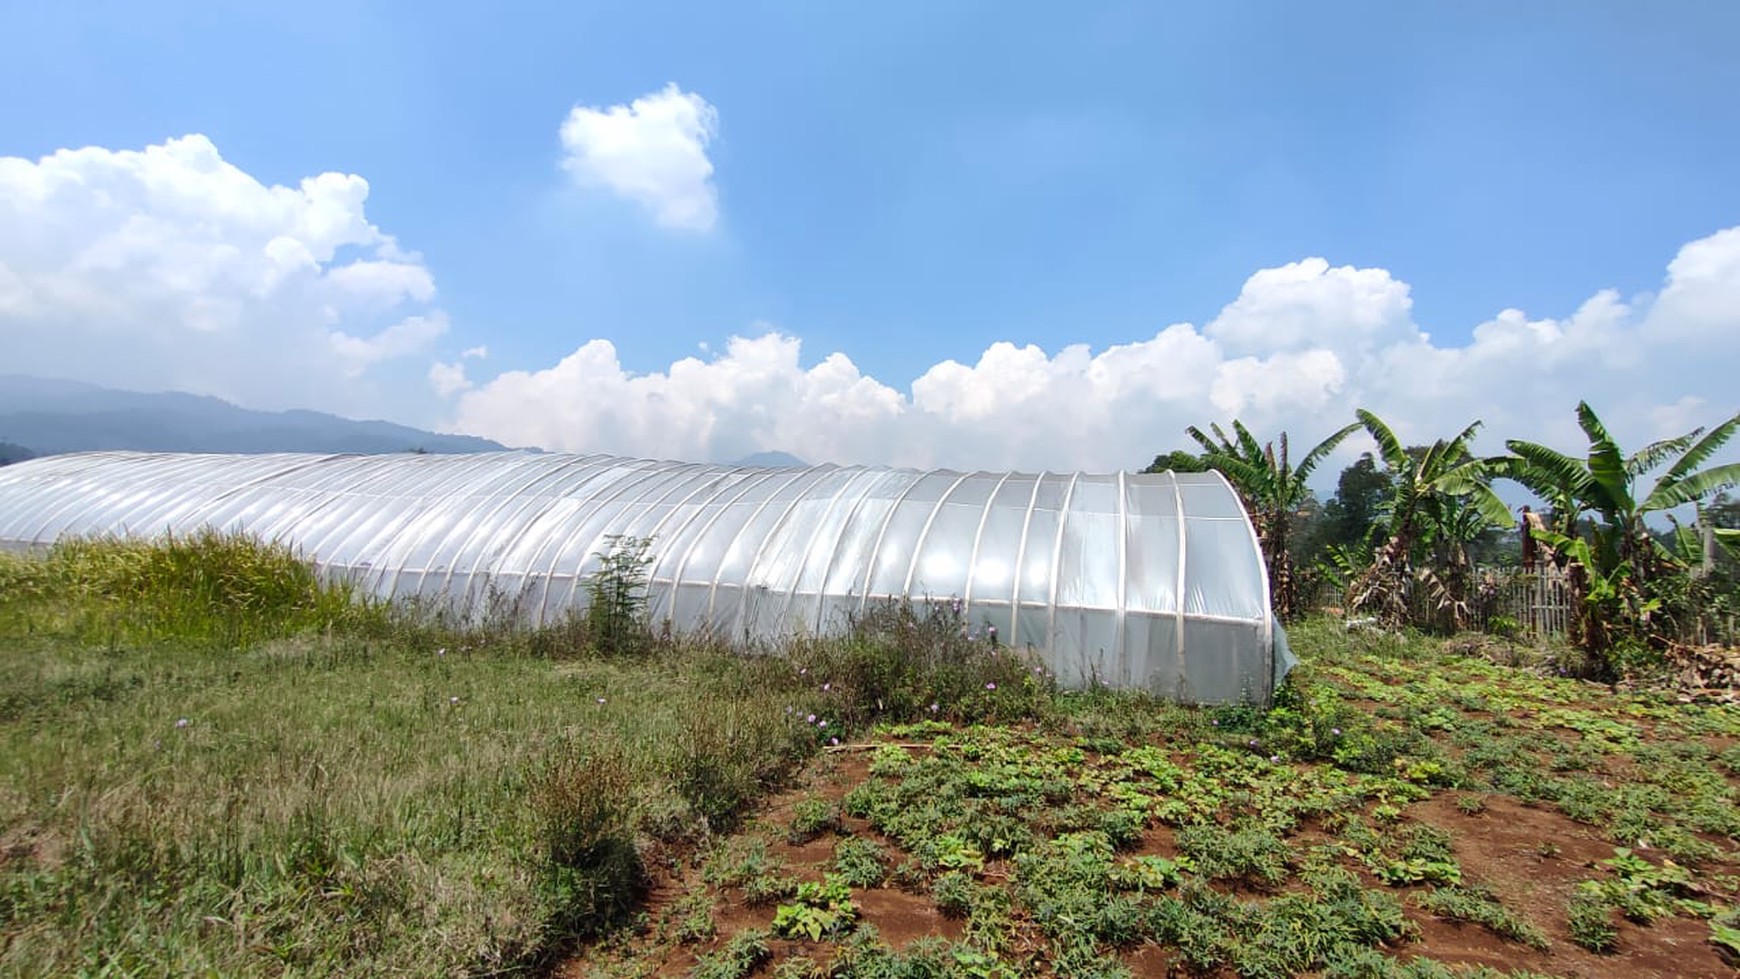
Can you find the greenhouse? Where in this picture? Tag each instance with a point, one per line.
(1151, 581)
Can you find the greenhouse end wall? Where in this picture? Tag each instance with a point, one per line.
(1149, 581)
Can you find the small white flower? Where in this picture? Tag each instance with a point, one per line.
(453, 700)
(182, 722)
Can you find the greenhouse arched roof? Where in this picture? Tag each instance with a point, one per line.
(1151, 581)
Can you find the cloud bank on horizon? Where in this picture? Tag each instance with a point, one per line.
(169, 267)
(1298, 349)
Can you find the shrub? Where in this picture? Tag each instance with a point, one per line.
(216, 589)
(590, 871)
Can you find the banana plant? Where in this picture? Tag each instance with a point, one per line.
(1618, 548)
(1435, 488)
(1273, 490)
(1606, 483)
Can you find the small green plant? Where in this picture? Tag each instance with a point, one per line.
(1591, 919)
(1151, 873)
(744, 863)
(742, 955)
(616, 593)
(860, 863)
(820, 910)
(953, 894)
(1470, 805)
(1480, 906)
(1251, 854)
(693, 915)
(1398, 873)
(811, 818)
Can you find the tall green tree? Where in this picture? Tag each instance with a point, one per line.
(1274, 492)
(1439, 495)
(1360, 493)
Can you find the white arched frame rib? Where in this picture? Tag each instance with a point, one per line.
(565, 480)
(744, 485)
(767, 538)
(924, 533)
(1118, 635)
(713, 589)
(1021, 559)
(978, 537)
(419, 527)
(839, 542)
(882, 533)
(510, 502)
(635, 480)
(853, 474)
(1182, 595)
(1057, 566)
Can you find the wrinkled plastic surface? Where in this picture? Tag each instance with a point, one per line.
(1129, 580)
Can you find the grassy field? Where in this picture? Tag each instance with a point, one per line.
(216, 765)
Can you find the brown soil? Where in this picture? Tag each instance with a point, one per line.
(1500, 848)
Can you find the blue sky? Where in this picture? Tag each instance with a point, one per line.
(911, 184)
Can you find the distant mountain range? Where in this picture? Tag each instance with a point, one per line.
(772, 460)
(39, 416)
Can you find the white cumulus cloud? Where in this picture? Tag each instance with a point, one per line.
(170, 267)
(1299, 348)
(652, 151)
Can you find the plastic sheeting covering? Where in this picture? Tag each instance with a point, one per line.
(1150, 581)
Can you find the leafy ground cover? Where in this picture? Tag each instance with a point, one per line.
(1411, 808)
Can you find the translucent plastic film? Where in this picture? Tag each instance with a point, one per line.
(1150, 581)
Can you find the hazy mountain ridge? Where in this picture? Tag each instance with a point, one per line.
(46, 416)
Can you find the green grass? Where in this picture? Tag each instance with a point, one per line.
(218, 764)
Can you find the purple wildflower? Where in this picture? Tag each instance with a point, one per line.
(821, 724)
(810, 719)
(182, 722)
(990, 686)
(833, 740)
